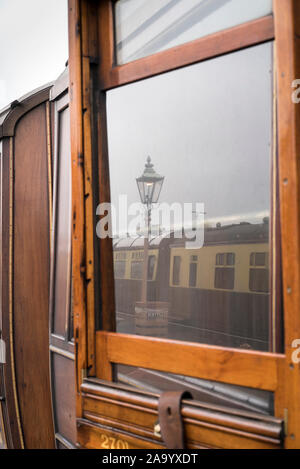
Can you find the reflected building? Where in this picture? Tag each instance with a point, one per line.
(218, 294)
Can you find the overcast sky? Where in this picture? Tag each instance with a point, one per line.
(206, 127)
(33, 45)
(208, 130)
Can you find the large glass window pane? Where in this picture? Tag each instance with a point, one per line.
(144, 27)
(63, 228)
(208, 131)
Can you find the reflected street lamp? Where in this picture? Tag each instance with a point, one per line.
(149, 186)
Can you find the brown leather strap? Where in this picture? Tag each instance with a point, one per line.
(170, 419)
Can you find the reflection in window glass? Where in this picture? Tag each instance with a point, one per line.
(176, 270)
(210, 392)
(136, 269)
(220, 259)
(258, 258)
(120, 267)
(62, 265)
(193, 275)
(259, 280)
(203, 124)
(224, 278)
(145, 27)
(151, 266)
(230, 259)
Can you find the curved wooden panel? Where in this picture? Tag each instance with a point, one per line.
(31, 265)
(20, 107)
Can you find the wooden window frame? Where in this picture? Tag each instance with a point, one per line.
(58, 341)
(92, 73)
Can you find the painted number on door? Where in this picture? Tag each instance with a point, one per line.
(113, 443)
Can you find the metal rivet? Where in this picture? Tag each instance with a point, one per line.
(291, 366)
(285, 181)
(289, 290)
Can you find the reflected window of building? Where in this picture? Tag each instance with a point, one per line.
(151, 267)
(120, 267)
(225, 259)
(136, 270)
(193, 275)
(259, 258)
(259, 276)
(224, 278)
(220, 259)
(230, 258)
(176, 270)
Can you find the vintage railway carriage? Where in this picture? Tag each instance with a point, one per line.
(25, 264)
(221, 291)
(128, 269)
(208, 90)
(61, 337)
(99, 327)
(37, 405)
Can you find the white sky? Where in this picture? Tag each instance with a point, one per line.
(208, 130)
(33, 45)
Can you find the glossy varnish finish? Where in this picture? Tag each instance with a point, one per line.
(26, 272)
(238, 367)
(31, 276)
(61, 326)
(272, 372)
(13, 432)
(133, 414)
(12, 435)
(254, 32)
(78, 246)
(287, 29)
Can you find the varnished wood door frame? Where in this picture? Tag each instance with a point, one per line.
(61, 343)
(90, 25)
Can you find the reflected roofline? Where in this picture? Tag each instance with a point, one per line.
(241, 233)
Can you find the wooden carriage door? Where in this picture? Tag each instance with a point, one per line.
(205, 89)
(61, 328)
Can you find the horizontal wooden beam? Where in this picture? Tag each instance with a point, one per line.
(133, 413)
(239, 367)
(222, 42)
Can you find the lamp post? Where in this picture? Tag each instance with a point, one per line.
(149, 186)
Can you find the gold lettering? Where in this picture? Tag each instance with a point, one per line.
(113, 443)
